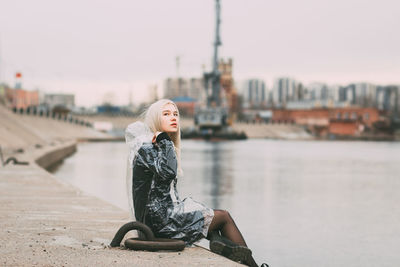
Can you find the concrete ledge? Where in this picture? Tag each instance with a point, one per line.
(44, 222)
(55, 156)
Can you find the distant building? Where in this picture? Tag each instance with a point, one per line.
(59, 100)
(387, 98)
(21, 99)
(288, 93)
(365, 94)
(319, 91)
(350, 93)
(346, 121)
(176, 87)
(359, 94)
(284, 90)
(228, 90)
(334, 92)
(254, 93)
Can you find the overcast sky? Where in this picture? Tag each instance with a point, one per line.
(93, 47)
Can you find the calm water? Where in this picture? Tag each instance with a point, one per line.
(296, 203)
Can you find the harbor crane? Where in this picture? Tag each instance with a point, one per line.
(213, 117)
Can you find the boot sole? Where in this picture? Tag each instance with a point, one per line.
(237, 253)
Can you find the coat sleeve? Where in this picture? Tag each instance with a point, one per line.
(159, 158)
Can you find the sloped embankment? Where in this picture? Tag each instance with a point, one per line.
(21, 131)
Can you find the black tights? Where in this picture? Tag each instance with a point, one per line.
(224, 223)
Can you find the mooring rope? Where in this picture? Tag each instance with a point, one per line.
(148, 242)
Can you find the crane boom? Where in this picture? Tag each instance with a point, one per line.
(212, 119)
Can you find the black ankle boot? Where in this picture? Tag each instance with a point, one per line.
(225, 247)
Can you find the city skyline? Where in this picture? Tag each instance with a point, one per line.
(90, 50)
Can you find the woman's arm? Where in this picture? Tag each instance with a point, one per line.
(159, 157)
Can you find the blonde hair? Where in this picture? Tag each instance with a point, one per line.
(152, 118)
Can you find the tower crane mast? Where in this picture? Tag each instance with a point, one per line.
(214, 116)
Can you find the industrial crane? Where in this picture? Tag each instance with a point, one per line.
(213, 117)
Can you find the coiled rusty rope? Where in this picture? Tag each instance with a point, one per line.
(148, 242)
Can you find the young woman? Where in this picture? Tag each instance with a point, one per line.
(155, 161)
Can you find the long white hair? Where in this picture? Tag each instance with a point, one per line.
(152, 118)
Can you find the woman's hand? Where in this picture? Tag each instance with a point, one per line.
(155, 137)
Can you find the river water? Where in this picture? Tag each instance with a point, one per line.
(297, 203)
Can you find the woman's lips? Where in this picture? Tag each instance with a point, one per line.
(173, 124)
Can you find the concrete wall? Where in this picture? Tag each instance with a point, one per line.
(53, 157)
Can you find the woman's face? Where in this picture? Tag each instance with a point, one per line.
(169, 118)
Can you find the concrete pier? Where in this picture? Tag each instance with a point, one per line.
(45, 222)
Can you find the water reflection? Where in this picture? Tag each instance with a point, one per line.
(208, 172)
(217, 175)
